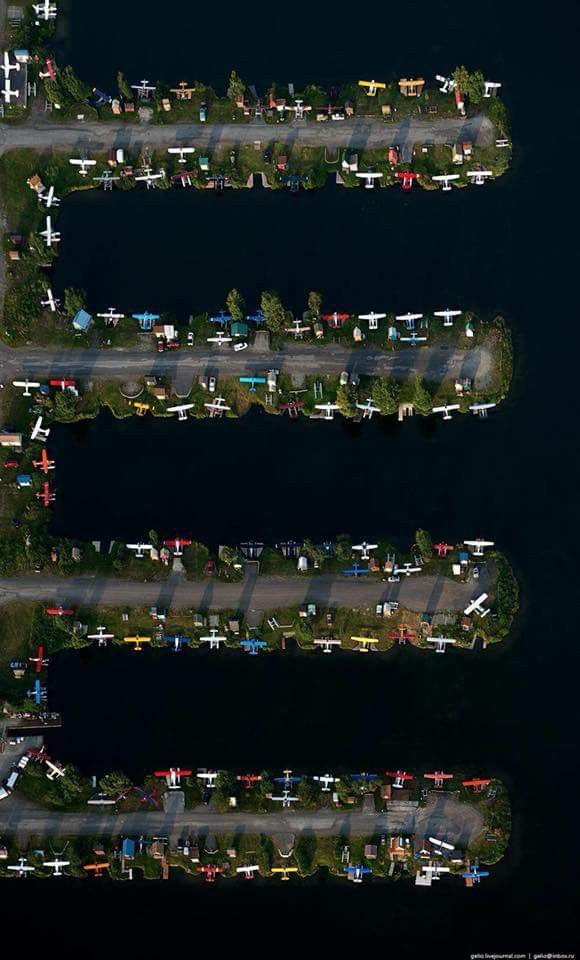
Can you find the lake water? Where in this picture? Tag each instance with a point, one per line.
(515, 478)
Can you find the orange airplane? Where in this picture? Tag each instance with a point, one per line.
(44, 463)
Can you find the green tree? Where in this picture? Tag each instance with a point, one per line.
(124, 88)
(472, 85)
(72, 88)
(154, 538)
(315, 303)
(422, 401)
(343, 548)
(229, 556)
(315, 554)
(304, 853)
(424, 543)
(273, 310)
(114, 783)
(385, 395)
(65, 405)
(236, 305)
(74, 300)
(236, 87)
(346, 399)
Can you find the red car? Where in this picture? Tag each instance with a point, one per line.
(210, 568)
(11, 464)
(160, 346)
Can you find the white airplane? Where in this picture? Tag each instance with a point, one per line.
(326, 779)
(297, 329)
(83, 165)
(22, 867)
(491, 88)
(45, 10)
(409, 319)
(479, 546)
(368, 409)
(441, 643)
(107, 179)
(327, 643)
(445, 179)
(441, 843)
(447, 315)
(298, 109)
(209, 778)
(49, 235)
(49, 198)
(38, 431)
(54, 770)
(369, 179)
(51, 302)
(286, 800)
(182, 151)
(373, 319)
(328, 409)
(27, 384)
(214, 640)
(447, 83)
(407, 569)
(101, 636)
(434, 869)
(480, 409)
(479, 176)
(57, 866)
(140, 549)
(364, 549)
(413, 339)
(217, 408)
(6, 67)
(219, 338)
(248, 871)
(173, 778)
(143, 89)
(477, 606)
(149, 178)
(446, 410)
(181, 410)
(8, 92)
(111, 315)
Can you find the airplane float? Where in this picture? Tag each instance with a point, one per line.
(83, 164)
(182, 152)
(328, 410)
(413, 339)
(55, 771)
(373, 319)
(222, 318)
(209, 871)
(400, 778)
(284, 872)
(219, 339)
(177, 545)
(446, 179)
(447, 315)
(173, 776)
(478, 177)
(213, 640)
(217, 408)
(479, 546)
(327, 643)
(407, 570)
(27, 385)
(38, 693)
(481, 409)
(49, 198)
(286, 800)
(106, 179)
(407, 178)
(287, 779)
(356, 872)
(39, 660)
(46, 495)
(446, 410)
(253, 646)
(57, 866)
(476, 606)
(111, 317)
(144, 89)
(365, 644)
(45, 10)
(59, 612)
(441, 643)
(181, 410)
(253, 381)
(249, 779)
(297, 330)
(50, 72)
(96, 869)
(365, 548)
(64, 384)
(325, 780)
(51, 302)
(409, 319)
(355, 571)
(137, 642)
(149, 178)
(368, 409)
(402, 635)
(147, 318)
(49, 235)
(299, 108)
(101, 636)
(447, 83)
(491, 88)
(372, 86)
(140, 549)
(442, 549)
(476, 785)
(249, 871)
(177, 641)
(22, 868)
(8, 92)
(438, 778)
(369, 178)
(209, 778)
(6, 66)
(473, 875)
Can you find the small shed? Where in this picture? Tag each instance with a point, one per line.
(370, 851)
(239, 329)
(82, 321)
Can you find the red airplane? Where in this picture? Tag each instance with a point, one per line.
(40, 660)
(438, 778)
(476, 785)
(46, 494)
(177, 545)
(407, 178)
(59, 612)
(330, 108)
(402, 635)
(291, 408)
(44, 463)
(249, 779)
(400, 777)
(63, 384)
(442, 549)
(173, 776)
(335, 319)
(96, 869)
(210, 871)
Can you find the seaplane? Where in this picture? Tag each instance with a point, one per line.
(249, 871)
(442, 549)
(409, 319)
(481, 409)
(176, 641)
(476, 785)
(173, 776)
(474, 874)
(51, 302)
(365, 777)
(96, 869)
(59, 612)
(49, 73)
(101, 636)
(45, 10)
(413, 339)
(253, 382)
(65, 385)
(355, 571)
(219, 339)
(253, 646)
(284, 872)
(400, 778)
(38, 693)
(181, 152)
(325, 779)
(479, 546)
(447, 83)
(49, 235)
(356, 872)
(327, 643)
(146, 317)
(368, 409)
(328, 410)
(144, 89)
(372, 86)
(149, 178)
(438, 778)
(407, 570)
(57, 866)
(298, 330)
(491, 88)
(478, 177)
(365, 644)
(221, 318)
(6, 66)
(441, 643)
(111, 317)
(446, 410)
(249, 779)
(373, 319)
(22, 868)
(49, 198)
(287, 779)
(181, 410)
(209, 871)
(137, 642)
(28, 385)
(214, 640)
(364, 549)
(55, 771)
(46, 495)
(407, 178)
(39, 432)
(8, 92)
(336, 319)
(446, 180)
(298, 108)
(217, 408)
(292, 408)
(177, 545)
(369, 177)
(140, 549)
(106, 179)
(209, 778)
(83, 164)
(402, 635)
(286, 800)
(447, 315)
(476, 606)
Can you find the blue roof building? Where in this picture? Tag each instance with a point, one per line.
(82, 321)
(128, 849)
(24, 480)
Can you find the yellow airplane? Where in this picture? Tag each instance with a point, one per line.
(182, 91)
(412, 88)
(365, 643)
(137, 641)
(141, 408)
(373, 86)
(284, 871)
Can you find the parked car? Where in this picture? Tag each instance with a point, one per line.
(11, 464)
(190, 338)
(212, 384)
(394, 579)
(240, 346)
(160, 345)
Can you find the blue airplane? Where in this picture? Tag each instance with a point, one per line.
(38, 693)
(287, 779)
(177, 641)
(355, 571)
(146, 319)
(253, 381)
(474, 873)
(253, 646)
(356, 872)
(257, 317)
(222, 318)
(364, 776)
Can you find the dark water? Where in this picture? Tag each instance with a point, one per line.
(515, 478)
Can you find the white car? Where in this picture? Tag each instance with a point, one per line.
(211, 384)
(240, 346)
(394, 579)
(190, 338)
